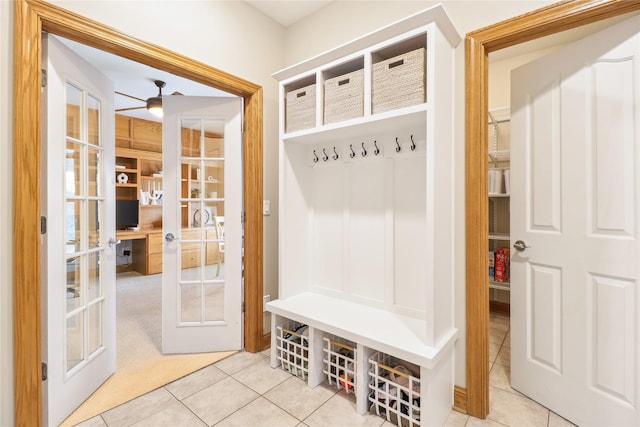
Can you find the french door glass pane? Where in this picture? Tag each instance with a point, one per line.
(75, 340)
(94, 288)
(190, 137)
(93, 223)
(72, 175)
(73, 223)
(190, 301)
(213, 140)
(74, 113)
(93, 178)
(93, 120)
(95, 327)
(213, 301)
(74, 289)
(214, 179)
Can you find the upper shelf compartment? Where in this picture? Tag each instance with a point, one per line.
(384, 75)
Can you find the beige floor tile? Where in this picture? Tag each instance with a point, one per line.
(297, 398)
(138, 409)
(499, 321)
(456, 419)
(500, 377)
(504, 356)
(238, 361)
(220, 400)
(340, 411)
(173, 415)
(259, 413)
(556, 420)
(494, 349)
(476, 422)
(497, 335)
(261, 377)
(96, 421)
(186, 386)
(516, 411)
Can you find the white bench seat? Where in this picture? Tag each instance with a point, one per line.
(372, 330)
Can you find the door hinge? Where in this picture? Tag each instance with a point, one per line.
(244, 127)
(44, 371)
(44, 78)
(243, 217)
(243, 306)
(43, 225)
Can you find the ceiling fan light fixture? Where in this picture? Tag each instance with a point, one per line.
(154, 104)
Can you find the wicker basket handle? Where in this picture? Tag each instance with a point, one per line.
(396, 63)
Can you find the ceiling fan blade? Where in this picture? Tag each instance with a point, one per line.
(129, 96)
(130, 108)
(177, 93)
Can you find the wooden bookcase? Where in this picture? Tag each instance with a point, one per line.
(366, 213)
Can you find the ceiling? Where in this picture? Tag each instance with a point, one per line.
(135, 79)
(288, 12)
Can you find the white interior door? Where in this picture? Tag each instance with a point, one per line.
(575, 175)
(202, 264)
(78, 287)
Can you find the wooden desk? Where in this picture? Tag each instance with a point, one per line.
(146, 249)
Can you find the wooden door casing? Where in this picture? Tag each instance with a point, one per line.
(31, 17)
(478, 44)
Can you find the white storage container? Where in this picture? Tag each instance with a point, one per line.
(339, 363)
(293, 348)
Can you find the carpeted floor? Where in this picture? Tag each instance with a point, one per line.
(141, 366)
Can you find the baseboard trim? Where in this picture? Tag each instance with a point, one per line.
(500, 307)
(266, 341)
(460, 399)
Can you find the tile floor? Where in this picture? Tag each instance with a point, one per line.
(243, 390)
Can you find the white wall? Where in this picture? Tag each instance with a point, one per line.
(6, 221)
(229, 35)
(342, 21)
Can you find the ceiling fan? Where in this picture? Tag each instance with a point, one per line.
(153, 104)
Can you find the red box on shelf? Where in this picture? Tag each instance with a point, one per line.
(501, 269)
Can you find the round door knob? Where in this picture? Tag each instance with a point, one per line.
(520, 246)
(169, 237)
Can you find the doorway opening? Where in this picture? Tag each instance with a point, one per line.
(31, 18)
(546, 21)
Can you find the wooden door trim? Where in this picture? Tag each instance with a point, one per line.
(31, 18)
(478, 44)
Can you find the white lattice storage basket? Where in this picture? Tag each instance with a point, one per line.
(398, 82)
(339, 363)
(344, 97)
(394, 390)
(292, 344)
(300, 109)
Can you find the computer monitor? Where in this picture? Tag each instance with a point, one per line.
(127, 214)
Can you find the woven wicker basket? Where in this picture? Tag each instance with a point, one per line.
(344, 97)
(300, 110)
(398, 82)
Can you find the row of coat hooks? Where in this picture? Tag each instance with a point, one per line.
(333, 153)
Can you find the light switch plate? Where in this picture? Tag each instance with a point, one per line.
(266, 207)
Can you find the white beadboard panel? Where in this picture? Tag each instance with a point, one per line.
(410, 237)
(543, 168)
(611, 174)
(367, 228)
(327, 254)
(611, 333)
(544, 323)
(295, 243)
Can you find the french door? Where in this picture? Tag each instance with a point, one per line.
(78, 289)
